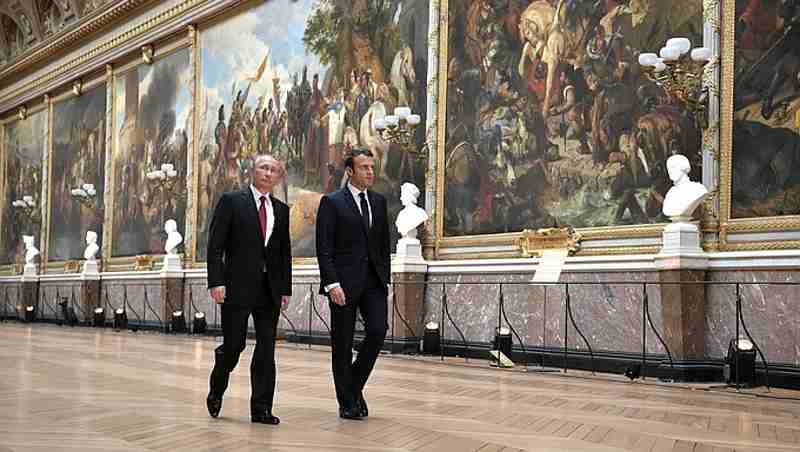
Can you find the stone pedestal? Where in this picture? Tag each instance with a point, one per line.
(30, 294)
(90, 295)
(683, 304)
(406, 316)
(172, 286)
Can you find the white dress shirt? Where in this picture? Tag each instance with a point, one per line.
(270, 213)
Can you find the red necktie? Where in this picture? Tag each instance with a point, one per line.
(262, 216)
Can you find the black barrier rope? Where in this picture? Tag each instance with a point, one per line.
(139, 321)
(575, 325)
(5, 303)
(513, 330)
(43, 300)
(75, 304)
(447, 312)
(740, 317)
(147, 306)
(395, 310)
(646, 302)
(316, 312)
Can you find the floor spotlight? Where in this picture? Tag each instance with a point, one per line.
(431, 341)
(742, 357)
(30, 313)
(502, 341)
(178, 322)
(199, 323)
(99, 317)
(634, 371)
(120, 319)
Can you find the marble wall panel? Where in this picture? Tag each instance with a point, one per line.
(770, 310)
(142, 300)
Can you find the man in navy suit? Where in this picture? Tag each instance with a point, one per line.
(250, 273)
(354, 264)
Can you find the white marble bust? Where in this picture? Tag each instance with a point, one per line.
(91, 246)
(30, 249)
(411, 216)
(174, 238)
(684, 196)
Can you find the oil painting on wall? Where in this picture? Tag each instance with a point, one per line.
(550, 119)
(766, 119)
(24, 142)
(304, 81)
(78, 163)
(153, 126)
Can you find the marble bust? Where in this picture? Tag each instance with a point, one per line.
(91, 246)
(174, 238)
(684, 196)
(411, 216)
(30, 249)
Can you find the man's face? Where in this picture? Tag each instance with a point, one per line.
(363, 173)
(266, 173)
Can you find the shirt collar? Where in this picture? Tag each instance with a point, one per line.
(257, 194)
(355, 192)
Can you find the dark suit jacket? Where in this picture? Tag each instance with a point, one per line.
(236, 251)
(345, 249)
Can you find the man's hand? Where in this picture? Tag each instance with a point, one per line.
(285, 302)
(218, 294)
(337, 295)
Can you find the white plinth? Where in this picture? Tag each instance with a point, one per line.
(680, 248)
(172, 262)
(409, 247)
(91, 267)
(408, 257)
(681, 238)
(29, 270)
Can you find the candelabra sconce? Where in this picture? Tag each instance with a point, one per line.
(86, 194)
(26, 211)
(164, 181)
(399, 129)
(679, 70)
(164, 178)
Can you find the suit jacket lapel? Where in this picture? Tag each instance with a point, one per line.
(348, 196)
(251, 212)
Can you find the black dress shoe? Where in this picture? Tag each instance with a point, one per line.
(349, 413)
(265, 418)
(214, 405)
(361, 406)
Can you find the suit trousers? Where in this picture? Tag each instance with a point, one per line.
(350, 376)
(262, 367)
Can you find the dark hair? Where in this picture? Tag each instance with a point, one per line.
(355, 152)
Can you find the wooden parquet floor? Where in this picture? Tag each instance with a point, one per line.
(81, 389)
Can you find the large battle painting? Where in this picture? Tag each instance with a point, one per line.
(153, 127)
(24, 147)
(766, 119)
(79, 150)
(550, 119)
(304, 81)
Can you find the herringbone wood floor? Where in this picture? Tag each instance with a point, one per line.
(85, 389)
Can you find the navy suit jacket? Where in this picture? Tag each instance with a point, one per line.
(346, 248)
(236, 251)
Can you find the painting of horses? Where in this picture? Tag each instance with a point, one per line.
(765, 178)
(79, 155)
(153, 128)
(23, 148)
(304, 81)
(550, 120)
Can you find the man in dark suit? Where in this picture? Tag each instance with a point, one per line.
(354, 263)
(250, 272)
